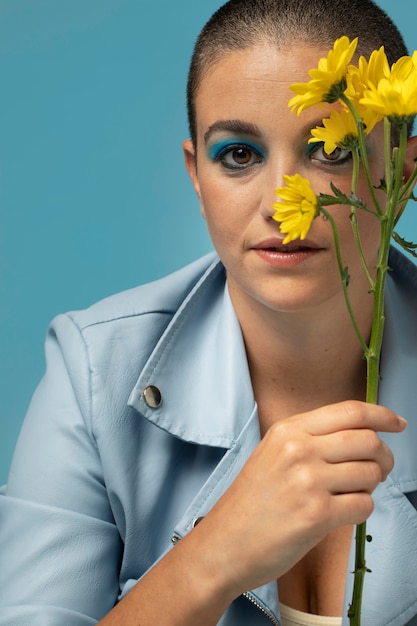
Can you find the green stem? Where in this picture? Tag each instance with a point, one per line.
(401, 192)
(354, 221)
(387, 150)
(372, 355)
(373, 352)
(355, 170)
(355, 608)
(344, 276)
(363, 151)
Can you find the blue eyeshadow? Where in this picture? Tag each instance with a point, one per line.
(220, 147)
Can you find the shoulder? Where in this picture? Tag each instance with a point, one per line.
(103, 349)
(164, 295)
(118, 333)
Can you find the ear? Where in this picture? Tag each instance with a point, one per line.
(410, 155)
(190, 159)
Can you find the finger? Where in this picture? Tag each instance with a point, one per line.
(356, 445)
(351, 414)
(354, 477)
(351, 508)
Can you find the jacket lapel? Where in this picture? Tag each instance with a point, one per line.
(199, 367)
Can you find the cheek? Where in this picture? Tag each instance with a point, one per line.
(229, 205)
(217, 203)
(212, 207)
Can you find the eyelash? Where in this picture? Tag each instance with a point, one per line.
(219, 155)
(316, 146)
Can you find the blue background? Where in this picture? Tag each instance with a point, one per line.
(94, 197)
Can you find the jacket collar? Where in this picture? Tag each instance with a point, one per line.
(197, 365)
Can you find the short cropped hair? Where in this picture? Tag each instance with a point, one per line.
(240, 24)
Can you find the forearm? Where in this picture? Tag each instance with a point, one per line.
(185, 588)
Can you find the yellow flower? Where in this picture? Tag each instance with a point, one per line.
(363, 77)
(396, 95)
(328, 79)
(297, 209)
(367, 74)
(338, 131)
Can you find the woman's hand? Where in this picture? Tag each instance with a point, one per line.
(311, 474)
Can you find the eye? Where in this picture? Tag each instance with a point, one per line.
(339, 156)
(238, 156)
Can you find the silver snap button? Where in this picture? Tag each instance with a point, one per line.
(152, 396)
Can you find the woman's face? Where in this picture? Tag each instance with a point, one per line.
(247, 139)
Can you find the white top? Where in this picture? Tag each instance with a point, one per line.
(292, 617)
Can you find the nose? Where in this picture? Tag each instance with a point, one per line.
(268, 199)
(273, 180)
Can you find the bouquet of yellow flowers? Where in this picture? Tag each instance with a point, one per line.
(364, 94)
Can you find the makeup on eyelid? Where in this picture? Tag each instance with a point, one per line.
(219, 148)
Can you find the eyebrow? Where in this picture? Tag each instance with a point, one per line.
(247, 128)
(234, 126)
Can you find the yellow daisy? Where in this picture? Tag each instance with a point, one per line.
(328, 80)
(297, 209)
(367, 74)
(403, 68)
(338, 131)
(396, 96)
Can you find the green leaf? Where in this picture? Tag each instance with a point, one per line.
(408, 246)
(339, 194)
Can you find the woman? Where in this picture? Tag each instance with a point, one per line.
(221, 409)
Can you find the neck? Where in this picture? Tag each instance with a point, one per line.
(307, 358)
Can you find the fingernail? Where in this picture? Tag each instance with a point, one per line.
(403, 422)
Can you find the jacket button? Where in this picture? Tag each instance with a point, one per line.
(152, 396)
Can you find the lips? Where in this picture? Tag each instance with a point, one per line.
(286, 248)
(286, 257)
(277, 245)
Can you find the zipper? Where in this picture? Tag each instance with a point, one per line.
(248, 595)
(251, 598)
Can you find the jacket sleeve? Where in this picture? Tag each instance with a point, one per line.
(60, 549)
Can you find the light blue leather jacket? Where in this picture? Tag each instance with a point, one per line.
(144, 417)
